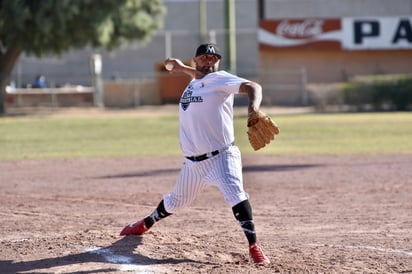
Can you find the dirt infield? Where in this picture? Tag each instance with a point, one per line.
(317, 214)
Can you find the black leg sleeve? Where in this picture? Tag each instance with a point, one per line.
(243, 213)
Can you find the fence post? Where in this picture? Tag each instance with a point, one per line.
(168, 44)
(54, 98)
(303, 83)
(96, 69)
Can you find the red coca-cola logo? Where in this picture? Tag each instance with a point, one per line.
(300, 29)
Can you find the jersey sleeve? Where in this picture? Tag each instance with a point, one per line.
(231, 82)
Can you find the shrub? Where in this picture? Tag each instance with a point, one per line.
(380, 92)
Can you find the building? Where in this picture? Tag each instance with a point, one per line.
(336, 40)
(284, 44)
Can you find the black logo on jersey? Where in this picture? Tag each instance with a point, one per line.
(187, 98)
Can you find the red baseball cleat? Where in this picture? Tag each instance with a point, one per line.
(257, 255)
(137, 228)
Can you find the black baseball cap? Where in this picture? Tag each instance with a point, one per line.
(208, 48)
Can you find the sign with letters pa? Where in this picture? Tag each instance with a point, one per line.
(369, 33)
(377, 33)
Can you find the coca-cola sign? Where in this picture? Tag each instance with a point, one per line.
(314, 32)
(300, 29)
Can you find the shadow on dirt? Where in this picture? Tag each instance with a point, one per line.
(120, 252)
(143, 173)
(246, 169)
(277, 168)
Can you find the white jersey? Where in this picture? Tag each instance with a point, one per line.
(206, 113)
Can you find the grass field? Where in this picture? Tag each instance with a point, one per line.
(36, 137)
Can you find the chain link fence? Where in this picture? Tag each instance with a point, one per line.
(140, 63)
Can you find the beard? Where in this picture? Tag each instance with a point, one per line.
(206, 69)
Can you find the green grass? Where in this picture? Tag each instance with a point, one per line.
(356, 133)
(118, 136)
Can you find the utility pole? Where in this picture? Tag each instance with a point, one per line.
(202, 21)
(230, 14)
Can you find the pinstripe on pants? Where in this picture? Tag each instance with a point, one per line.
(223, 170)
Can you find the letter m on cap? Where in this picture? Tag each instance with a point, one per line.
(210, 49)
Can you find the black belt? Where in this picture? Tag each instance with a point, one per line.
(203, 156)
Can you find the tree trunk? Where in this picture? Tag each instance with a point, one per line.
(7, 62)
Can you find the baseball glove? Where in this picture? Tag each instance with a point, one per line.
(261, 129)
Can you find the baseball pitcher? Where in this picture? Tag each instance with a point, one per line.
(207, 142)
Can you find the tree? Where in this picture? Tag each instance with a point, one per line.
(52, 27)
